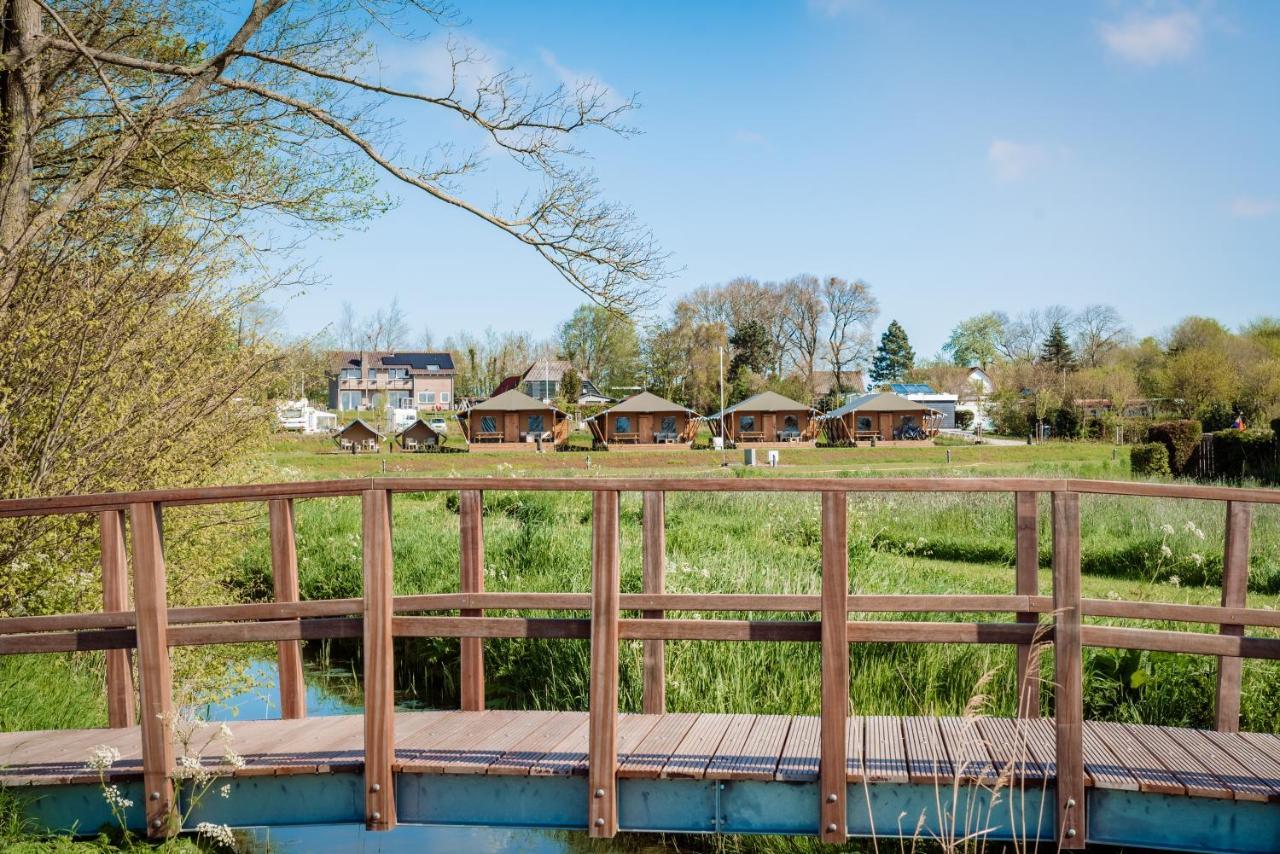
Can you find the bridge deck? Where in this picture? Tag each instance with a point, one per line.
(1170, 761)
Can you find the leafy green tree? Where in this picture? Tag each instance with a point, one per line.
(976, 341)
(603, 345)
(1056, 352)
(753, 349)
(571, 386)
(894, 357)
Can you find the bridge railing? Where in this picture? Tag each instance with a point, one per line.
(151, 627)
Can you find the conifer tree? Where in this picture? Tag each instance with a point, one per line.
(1057, 352)
(894, 357)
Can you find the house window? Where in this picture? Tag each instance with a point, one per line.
(622, 424)
(397, 373)
(444, 397)
(426, 397)
(535, 423)
(668, 424)
(791, 424)
(488, 424)
(373, 375)
(864, 424)
(349, 374)
(402, 401)
(349, 400)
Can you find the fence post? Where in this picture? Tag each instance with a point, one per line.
(284, 577)
(1235, 585)
(471, 564)
(379, 676)
(1027, 549)
(655, 569)
(115, 597)
(602, 756)
(1068, 697)
(835, 666)
(154, 672)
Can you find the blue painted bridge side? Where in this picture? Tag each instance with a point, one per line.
(497, 813)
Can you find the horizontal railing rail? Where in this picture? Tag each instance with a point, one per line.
(831, 618)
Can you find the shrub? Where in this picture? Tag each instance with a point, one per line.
(1066, 423)
(1218, 415)
(964, 419)
(1149, 460)
(1245, 453)
(1181, 438)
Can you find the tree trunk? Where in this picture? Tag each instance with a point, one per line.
(19, 116)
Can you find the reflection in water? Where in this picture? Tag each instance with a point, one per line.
(329, 692)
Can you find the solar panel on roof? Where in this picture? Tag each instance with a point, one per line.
(911, 388)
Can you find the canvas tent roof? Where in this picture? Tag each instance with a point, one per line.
(645, 401)
(415, 423)
(361, 422)
(513, 400)
(765, 401)
(884, 401)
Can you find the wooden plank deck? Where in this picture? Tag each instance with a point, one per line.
(1239, 766)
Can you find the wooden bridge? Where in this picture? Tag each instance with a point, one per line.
(1061, 779)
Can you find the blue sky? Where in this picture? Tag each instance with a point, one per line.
(958, 157)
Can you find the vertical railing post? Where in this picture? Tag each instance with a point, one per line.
(1067, 671)
(654, 570)
(155, 675)
(1027, 548)
(835, 666)
(602, 742)
(284, 577)
(471, 566)
(1235, 586)
(115, 598)
(379, 688)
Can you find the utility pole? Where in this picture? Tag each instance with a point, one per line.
(724, 448)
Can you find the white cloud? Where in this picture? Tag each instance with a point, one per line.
(1014, 160)
(1146, 39)
(836, 8)
(573, 79)
(428, 65)
(750, 137)
(1251, 207)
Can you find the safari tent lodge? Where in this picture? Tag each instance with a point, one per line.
(358, 436)
(882, 416)
(514, 421)
(419, 436)
(644, 420)
(765, 419)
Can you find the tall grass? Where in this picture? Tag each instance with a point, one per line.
(771, 543)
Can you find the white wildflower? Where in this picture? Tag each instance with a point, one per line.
(219, 833)
(115, 798)
(1197, 559)
(1166, 551)
(1112, 595)
(224, 732)
(1168, 529)
(225, 791)
(103, 757)
(1192, 529)
(1175, 580)
(235, 760)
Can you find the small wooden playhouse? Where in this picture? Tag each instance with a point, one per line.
(644, 420)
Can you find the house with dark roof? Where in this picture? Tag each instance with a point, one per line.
(765, 419)
(372, 379)
(644, 420)
(542, 381)
(514, 421)
(882, 416)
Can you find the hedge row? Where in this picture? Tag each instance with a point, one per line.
(1181, 438)
(1238, 454)
(1149, 460)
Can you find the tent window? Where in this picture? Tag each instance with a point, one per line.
(746, 423)
(535, 423)
(668, 424)
(864, 424)
(488, 424)
(622, 424)
(790, 423)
